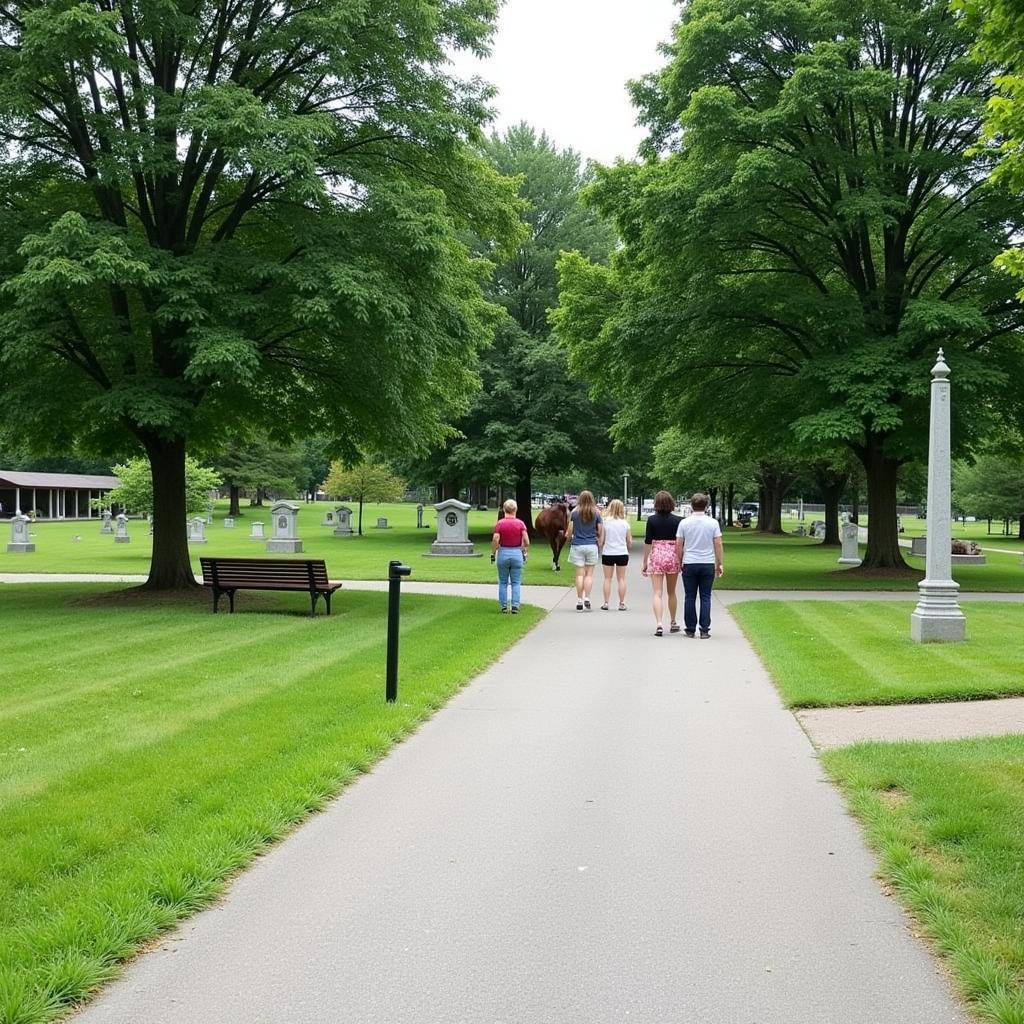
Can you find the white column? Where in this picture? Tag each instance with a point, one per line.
(17, 500)
(937, 616)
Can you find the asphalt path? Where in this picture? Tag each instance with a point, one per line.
(605, 826)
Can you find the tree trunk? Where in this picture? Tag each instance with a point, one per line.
(762, 509)
(1020, 529)
(170, 567)
(713, 497)
(524, 494)
(730, 499)
(773, 486)
(360, 515)
(883, 550)
(235, 490)
(855, 504)
(832, 495)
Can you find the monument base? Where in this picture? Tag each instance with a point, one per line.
(25, 548)
(284, 547)
(849, 561)
(967, 559)
(203, 541)
(122, 540)
(347, 532)
(937, 617)
(451, 549)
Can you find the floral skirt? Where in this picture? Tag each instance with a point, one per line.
(663, 558)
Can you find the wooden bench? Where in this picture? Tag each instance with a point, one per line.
(226, 575)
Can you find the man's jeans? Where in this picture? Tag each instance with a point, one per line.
(510, 567)
(699, 576)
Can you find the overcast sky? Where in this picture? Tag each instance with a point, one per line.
(562, 65)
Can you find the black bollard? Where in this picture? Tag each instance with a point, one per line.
(395, 573)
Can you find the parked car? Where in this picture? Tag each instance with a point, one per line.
(749, 508)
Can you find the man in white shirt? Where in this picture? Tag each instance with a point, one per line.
(699, 546)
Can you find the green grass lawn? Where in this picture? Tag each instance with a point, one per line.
(753, 561)
(947, 820)
(149, 751)
(825, 653)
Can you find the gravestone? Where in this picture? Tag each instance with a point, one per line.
(452, 531)
(197, 530)
(284, 528)
(108, 526)
(257, 530)
(328, 519)
(121, 533)
(800, 531)
(919, 546)
(209, 513)
(419, 517)
(343, 521)
(382, 523)
(19, 535)
(229, 523)
(848, 535)
(818, 530)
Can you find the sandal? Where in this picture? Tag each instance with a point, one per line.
(622, 607)
(659, 632)
(674, 628)
(604, 607)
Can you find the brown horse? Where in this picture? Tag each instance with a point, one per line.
(552, 523)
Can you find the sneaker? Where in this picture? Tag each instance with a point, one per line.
(586, 603)
(515, 609)
(579, 606)
(658, 631)
(690, 633)
(622, 607)
(705, 636)
(504, 610)
(604, 607)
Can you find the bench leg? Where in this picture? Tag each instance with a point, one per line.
(314, 596)
(231, 600)
(327, 601)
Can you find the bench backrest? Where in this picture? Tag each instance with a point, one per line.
(229, 572)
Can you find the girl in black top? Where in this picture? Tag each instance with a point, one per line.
(660, 560)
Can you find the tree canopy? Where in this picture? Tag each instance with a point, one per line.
(812, 222)
(241, 212)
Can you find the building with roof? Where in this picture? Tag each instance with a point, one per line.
(52, 495)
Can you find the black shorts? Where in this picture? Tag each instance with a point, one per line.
(615, 559)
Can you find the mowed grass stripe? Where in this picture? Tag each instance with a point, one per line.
(824, 654)
(148, 826)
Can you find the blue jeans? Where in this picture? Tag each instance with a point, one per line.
(697, 577)
(510, 568)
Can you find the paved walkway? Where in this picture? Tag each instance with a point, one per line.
(604, 826)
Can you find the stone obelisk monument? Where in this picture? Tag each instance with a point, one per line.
(937, 617)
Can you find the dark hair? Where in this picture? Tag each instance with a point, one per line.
(699, 502)
(664, 502)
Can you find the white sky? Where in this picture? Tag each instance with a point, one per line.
(562, 66)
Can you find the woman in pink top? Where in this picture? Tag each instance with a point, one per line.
(509, 545)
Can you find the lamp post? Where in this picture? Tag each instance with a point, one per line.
(937, 616)
(625, 488)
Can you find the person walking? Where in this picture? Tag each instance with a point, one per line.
(618, 542)
(661, 560)
(509, 546)
(585, 537)
(699, 547)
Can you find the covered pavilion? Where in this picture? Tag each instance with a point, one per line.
(52, 495)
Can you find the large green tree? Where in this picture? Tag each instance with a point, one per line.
(531, 416)
(811, 224)
(240, 211)
(992, 488)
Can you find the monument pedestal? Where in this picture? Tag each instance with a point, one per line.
(452, 549)
(452, 532)
(284, 546)
(937, 617)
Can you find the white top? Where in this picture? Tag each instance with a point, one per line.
(698, 533)
(615, 537)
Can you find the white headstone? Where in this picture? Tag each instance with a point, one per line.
(257, 530)
(937, 617)
(919, 546)
(121, 533)
(382, 523)
(108, 526)
(284, 528)
(229, 523)
(452, 531)
(197, 530)
(848, 535)
(209, 513)
(343, 521)
(19, 535)
(328, 519)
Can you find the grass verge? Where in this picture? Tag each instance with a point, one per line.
(829, 653)
(947, 820)
(149, 753)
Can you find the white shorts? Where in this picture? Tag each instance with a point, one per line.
(583, 554)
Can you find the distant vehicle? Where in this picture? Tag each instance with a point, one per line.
(749, 508)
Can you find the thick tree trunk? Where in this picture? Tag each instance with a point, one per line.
(360, 515)
(169, 568)
(1020, 529)
(774, 484)
(883, 550)
(524, 493)
(730, 499)
(763, 516)
(713, 497)
(235, 491)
